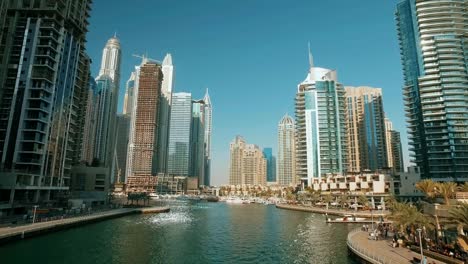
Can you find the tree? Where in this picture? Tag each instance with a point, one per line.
(404, 215)
(447, 190)
(464, 187)
(327, 199)
(428, 187)
(344, 200)
(390, 201)
(459, 214)
(363, 200)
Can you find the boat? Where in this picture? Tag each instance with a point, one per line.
(233, 200)
(347, 219)
(212, 198)
(153, 196)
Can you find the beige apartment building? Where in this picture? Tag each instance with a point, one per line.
(247, 164)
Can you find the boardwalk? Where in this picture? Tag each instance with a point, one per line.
(25, 231)
(380, 251)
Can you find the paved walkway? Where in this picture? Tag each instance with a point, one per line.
(7, 233)
(366, 214)
(380, 251)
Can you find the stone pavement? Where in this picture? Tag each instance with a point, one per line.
(380, 251)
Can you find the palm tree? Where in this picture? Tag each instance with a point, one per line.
(327, 199)
(343, 200)
(447, 190)
(363, 200)
(390, 201)
(464, 187)
(427, 186)
(459, 214)
(404, 215)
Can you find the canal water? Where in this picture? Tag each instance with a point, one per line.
(193, 232)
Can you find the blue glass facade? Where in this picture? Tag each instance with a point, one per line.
(271, 164)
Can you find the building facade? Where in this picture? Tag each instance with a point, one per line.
(247, 165)
(179, 135)
(271, 164)
(208, 129)
(286, 162)
(321, 140)
(197, 142)
(142, 147)
(367, 147)
(165, 112)
(44, 80)
(433, 41)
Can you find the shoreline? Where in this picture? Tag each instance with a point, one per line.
(331, 211)
(11, 234)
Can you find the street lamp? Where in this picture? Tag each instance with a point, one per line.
(420, 244)
(34, 213)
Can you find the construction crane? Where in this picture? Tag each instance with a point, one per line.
(145, 58)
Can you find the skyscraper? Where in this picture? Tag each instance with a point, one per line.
(320, 125)
(121, 147)
(43, 92)
(87, 152)
(286, 162)
(367, 148)
(394, 149)
(128, 97)
(197, 142)
(247, 164)
(142, 147)
(179, 135)
(208, 129)
(165, 112)
(271, 164)
(106, 107)
(433, 36)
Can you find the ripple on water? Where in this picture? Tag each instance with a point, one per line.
(171, 218)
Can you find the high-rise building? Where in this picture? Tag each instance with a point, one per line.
(128, 97)
(320, 125)
(197, 142)
(433, 38)
(388, 140)
(87, 152)
(107, 94)
(247, 164)
(286, 162)
(271, 164)
(142, 147)
(367, 148)
(165, 112)
(208, 111)
(44, 79)
(397, 152)
(179, 135)
(121, 147)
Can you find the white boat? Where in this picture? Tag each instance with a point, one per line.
(153, 196)
(347, 218)
(235, 200)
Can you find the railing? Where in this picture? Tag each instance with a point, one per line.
(367, 254)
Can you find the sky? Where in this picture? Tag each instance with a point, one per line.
(252, 54)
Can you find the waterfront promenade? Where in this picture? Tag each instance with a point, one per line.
(8, 234)
(366, 214)
(381, 251)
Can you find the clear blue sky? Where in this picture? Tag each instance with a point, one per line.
(251, 54)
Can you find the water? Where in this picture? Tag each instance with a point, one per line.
(193, 233)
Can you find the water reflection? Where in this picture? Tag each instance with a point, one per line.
(193, 233)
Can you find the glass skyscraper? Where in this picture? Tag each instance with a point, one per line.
(44, 80)
(320, 125)
(286, 173)
(179, 135)
(271, 164)
(197, 142)
(367, 146)
(433, 38)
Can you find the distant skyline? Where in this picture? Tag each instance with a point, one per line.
(253, 54)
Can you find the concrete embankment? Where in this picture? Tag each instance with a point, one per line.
(9, 234)
(366, 214)
(381, 251)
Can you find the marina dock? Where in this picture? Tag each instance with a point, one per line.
(365, 214)
(9, 234)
